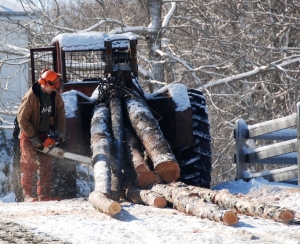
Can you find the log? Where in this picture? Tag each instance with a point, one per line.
(148, 131)
(144, 176)
(100, 145)
(102, 203)
(117, 139)
(192, 204)
(241, 204)
(147, 197)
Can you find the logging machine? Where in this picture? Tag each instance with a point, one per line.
(97, 63)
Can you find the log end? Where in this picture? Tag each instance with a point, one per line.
(168, 171)
(230, 218)
(147, 179)
(104, 204)
(114, 208)
(160, 202)
(287, 216)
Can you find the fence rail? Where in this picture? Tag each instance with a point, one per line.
(284, 152)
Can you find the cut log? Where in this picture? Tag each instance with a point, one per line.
(148, 131)
(192, 204)
(117, 139)
(147, 179)
(147, 197)
(144, 177)
(102, 203)
(100, 145)
(241, 204)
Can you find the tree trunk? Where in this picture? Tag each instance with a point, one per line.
(241, 204)
(147, 129)
(117, 138)
(105, 205)
(100, 145)
(154, 37)
(148, 197)
(192, 204)
(133, 148)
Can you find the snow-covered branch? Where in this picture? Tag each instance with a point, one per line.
(255, 71)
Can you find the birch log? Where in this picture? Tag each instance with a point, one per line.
(144, 176)
(241, 204)
(117, 139)
(100, 145)
(192, 204)
(105, 205)
(148, 131)
(147, 197)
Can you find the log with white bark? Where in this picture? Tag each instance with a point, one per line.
(117, 141)
(192, 204)
(144, 176)
(100, 145)
(147, 197)
(148, 131)
(102, 203)
(240, 203)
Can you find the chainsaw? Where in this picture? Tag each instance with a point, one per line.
(50, 147)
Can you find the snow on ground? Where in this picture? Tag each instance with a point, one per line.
(76, 221)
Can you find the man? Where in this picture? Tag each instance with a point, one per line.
(41, 110)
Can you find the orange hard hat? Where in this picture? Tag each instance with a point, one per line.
(50, 77)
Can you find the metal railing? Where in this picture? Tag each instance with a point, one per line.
(284, 152)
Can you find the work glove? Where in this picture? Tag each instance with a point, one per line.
(36, 142)
(61, 137)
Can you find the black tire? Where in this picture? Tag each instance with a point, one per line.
(195, 161)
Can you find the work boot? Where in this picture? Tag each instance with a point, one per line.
(28, 198)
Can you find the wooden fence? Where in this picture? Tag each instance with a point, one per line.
(286, 130)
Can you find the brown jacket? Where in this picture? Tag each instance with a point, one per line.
(29, 112)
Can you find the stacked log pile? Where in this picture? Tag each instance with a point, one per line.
(110, 126)
(116, 134)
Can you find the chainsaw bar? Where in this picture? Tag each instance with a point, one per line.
(60, 153)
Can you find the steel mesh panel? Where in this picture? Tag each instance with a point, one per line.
(84, 65)
(42, 60)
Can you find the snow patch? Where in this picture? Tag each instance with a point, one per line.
(70, 100)
(178, 93)
(92, 40)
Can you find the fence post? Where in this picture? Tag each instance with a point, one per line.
(240, 132)
(298, 141)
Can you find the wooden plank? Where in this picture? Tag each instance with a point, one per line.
(272, 125)
(284, 135)
(289, 158)
(271, 150)
(277, 175)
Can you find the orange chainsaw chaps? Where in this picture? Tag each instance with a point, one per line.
(49, 142)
